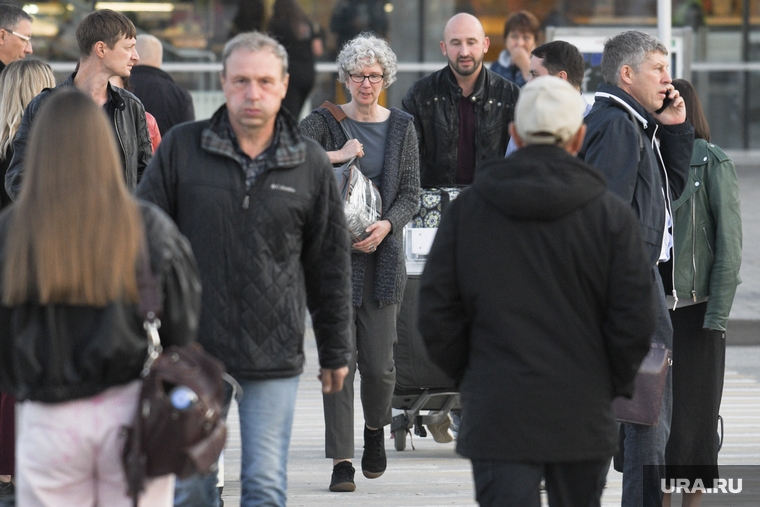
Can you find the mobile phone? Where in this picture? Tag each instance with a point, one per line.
(665, 103)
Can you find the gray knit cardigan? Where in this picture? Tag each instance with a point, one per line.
(399, 189)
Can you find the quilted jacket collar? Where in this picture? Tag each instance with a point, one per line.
(290, 150)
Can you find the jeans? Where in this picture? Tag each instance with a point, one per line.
(645, 445)
(266, 419)
(569, 484)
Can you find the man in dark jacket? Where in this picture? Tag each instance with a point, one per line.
(106, 41)
(644, 154)
(536, 299)
(462, 111)
(162, 97)
(261, 209)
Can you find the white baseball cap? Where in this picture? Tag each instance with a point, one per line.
(549, 111)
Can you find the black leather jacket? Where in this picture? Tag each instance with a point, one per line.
(131, 136)
(55, 353)
(433, 100)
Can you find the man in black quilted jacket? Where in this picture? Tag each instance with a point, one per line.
(261, 209)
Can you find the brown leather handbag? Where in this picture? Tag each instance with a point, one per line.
(178, 428)
(649, 385)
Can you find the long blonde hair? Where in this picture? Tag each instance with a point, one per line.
(20, 82)
(74, 233)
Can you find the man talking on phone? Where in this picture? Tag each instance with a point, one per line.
(638, 137)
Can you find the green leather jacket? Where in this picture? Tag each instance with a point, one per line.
(708, 234)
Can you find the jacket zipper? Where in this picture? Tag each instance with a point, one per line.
(693, 249)
(246, 201)
(121, 143)
(656, 147)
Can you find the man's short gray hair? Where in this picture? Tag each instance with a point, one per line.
(366, 50)
(629, 48)
(253, 42)
(11, 16)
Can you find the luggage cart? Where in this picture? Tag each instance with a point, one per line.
(420, 385)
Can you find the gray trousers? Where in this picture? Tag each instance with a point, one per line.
(373, 333)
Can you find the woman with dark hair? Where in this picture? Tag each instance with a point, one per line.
(73, 342)
(301, 38)
(521, 36)
(700, 282)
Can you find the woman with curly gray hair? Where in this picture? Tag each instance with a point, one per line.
(385, 142)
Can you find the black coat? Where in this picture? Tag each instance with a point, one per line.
(55, 353)
(265, 253)
(168, 102)
(538, 300)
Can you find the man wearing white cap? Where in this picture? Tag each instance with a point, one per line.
(535, 298)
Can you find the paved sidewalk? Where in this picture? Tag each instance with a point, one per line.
(433, 475)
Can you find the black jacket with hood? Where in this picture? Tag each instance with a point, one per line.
(129, 124)
(537, 299)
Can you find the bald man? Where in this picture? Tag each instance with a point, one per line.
(161, 96)
(462, 111)
(15, 34)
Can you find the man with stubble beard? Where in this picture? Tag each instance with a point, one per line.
(461, 112)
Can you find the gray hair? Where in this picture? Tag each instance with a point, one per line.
(253, 42)
(629, 48)
(10, 16)
(365, 50)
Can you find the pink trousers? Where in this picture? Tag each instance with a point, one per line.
(70, 453)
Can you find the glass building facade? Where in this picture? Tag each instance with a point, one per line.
(722, 55)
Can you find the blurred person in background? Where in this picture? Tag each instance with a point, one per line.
(521, 34)
(74, 343)
(301, 37)
(20, 81)
(250, 17)
(15, 34)
(106, 40)
(168, 102)
(385, 143)
(352, 17)
(703, 274)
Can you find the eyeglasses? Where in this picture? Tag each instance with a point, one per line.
(23, 37)
(373, 78)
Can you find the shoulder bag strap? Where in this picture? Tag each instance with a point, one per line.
(150, 306)
(339, 116)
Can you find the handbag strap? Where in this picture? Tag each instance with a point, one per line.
(339, 116)
(150, 306)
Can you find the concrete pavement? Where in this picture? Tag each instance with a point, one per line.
(433, 475)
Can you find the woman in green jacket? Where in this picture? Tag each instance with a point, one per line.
(700, 282)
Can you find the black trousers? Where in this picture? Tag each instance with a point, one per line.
(568, 484)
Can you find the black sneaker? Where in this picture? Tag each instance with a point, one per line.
(374, 461)
(343, 478)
